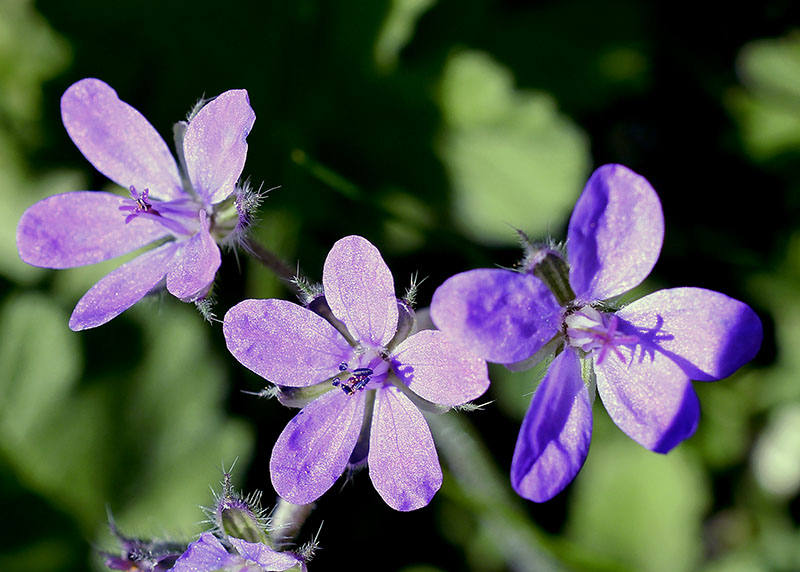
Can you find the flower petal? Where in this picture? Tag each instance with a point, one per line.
(359, 289)
(403, 464)
(615, 234)
(215, 144)
(265, 556)
(312, 452)
(554, 438)
(79, 228)
(648, 396)
(195, 265)
(283, 342)
(118, 140)
(707, 333)
(122, 288)
(499, 315)
(204, 555)
(439, 370)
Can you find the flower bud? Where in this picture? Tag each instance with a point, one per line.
(238, 517)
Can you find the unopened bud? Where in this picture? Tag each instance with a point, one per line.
(548, 265)
(238, 517)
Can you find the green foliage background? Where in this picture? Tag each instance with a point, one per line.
(434, 129)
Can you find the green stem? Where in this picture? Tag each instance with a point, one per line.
(271, 261)
(287, 520)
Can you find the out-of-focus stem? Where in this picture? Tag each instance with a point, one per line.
(286, 521)
(271, 261)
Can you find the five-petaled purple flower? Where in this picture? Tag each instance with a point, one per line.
(370, 373)
(178, 207)
(641, 357)
(207, 554)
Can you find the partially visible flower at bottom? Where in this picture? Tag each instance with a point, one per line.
(142, 555)
(207, 554)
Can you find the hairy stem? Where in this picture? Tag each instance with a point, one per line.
(271, 261)
(287, 520)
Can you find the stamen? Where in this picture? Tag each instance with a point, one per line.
(357, 381)
(596, 332)
(142, 205)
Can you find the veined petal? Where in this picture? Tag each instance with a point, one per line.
(283, 342)
(204, 555)
(359, 289)
(648, 396)
(499, 315)
(615, 234)
(403, 464)
(313, 450)
(79, 228)
(215, 144)
(195, 265)
(122, 288)
(265, 556)
(118, 140)
(439, 370)
(707, 333)
(554, 438)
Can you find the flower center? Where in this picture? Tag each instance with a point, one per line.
(358, 375)
(179, 216)
(596, 332)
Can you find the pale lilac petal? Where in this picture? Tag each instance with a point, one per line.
(403, 464)
(204, 555)
(215, 144)
(283, 342)
(615, 234)
(499, 315)
(313, 450)
(648, 396)
(265, 556)
(554, 438)
(122, 288)
(439, 370)
(195, 265)
(707, 333)
(359, 289)
(118, 140)
(79, 228)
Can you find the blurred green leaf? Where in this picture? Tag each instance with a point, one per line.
(41, 361)
(723, 436)
(172, 413)
(514, 161)
(776, 456)
(768, 109)
(30, 52)
(397, 30)
(639, 507)
(157, 431)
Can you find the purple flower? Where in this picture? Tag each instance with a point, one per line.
(641, 357)
(179, 208)
(361, 349)
(208, 554)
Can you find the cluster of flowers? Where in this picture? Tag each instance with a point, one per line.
(352, 354)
